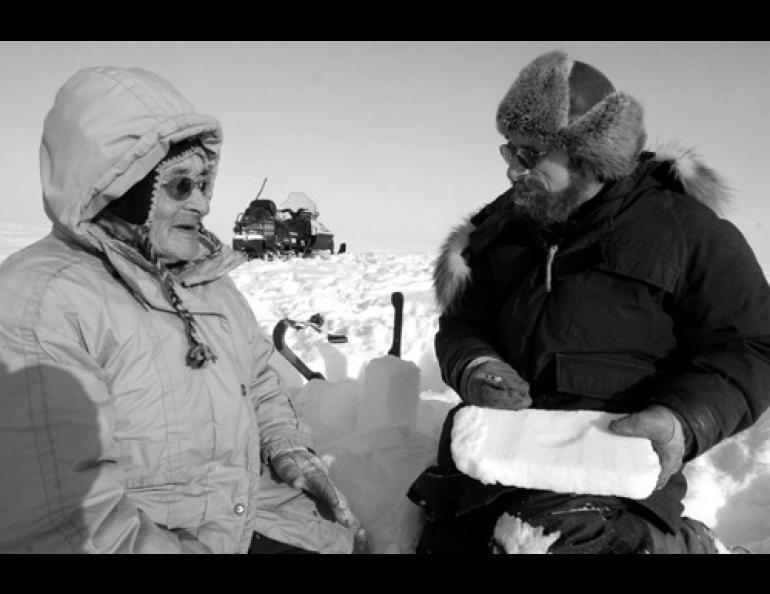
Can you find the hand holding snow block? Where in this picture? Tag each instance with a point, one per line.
(561, 451)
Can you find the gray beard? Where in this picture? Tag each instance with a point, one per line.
(547, 208)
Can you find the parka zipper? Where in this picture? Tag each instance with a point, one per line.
(549, 268)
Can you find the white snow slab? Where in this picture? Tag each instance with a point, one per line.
(561, 451)
(329, 408)
(390, 393)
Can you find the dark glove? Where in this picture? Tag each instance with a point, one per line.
(305, 471)
(495, 384)
(663, 428)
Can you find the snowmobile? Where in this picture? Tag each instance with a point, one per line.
(266, 231)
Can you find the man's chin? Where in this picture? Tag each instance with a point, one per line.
(546, 208)
(543, 213)
(177, 254)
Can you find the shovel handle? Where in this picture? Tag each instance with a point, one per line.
(397, 299)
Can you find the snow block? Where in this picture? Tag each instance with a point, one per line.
(374, 470)
(561, 451)
(390, 393)
(329, 408)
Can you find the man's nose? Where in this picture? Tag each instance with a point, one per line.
(198, 202)
(515, 173)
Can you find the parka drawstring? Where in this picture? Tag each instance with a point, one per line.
(549, 268)
(199, 353)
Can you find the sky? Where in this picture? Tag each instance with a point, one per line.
(394, 140)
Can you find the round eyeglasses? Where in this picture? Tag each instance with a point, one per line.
(524, 156)
(181, 188)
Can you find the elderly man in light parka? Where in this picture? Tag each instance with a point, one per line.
(138, 409)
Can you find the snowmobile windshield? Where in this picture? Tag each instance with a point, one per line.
(299, 200)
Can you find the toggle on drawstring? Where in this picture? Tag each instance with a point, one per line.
(199, 354)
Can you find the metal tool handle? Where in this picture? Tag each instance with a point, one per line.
(397, 299)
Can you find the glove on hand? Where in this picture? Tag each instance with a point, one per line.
(662, 427)
(305, 471)
(495, 384)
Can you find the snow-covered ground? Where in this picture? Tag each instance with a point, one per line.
(729, 486)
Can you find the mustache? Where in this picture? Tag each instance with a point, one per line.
(532, 185)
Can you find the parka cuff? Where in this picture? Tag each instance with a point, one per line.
(281, 444)
(688, 435)
(699, 425)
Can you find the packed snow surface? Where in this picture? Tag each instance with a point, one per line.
(562, 451)
(729, 485)
(515, 537)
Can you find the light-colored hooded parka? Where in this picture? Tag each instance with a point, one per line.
(109, 442)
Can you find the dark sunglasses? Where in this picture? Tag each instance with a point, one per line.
(181, 188)
(525, 156)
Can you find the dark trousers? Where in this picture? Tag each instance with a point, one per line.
(586, 525)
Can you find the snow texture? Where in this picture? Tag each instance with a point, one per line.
(516, 537)
(561, 451)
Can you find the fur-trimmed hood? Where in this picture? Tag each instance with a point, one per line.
(452, 272)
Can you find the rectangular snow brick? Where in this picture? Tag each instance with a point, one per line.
(561, 451)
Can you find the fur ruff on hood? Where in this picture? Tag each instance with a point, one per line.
(452, 274)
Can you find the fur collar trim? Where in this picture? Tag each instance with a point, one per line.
(698, 179)
(452, 274)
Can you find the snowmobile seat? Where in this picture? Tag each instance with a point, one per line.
(261, 209)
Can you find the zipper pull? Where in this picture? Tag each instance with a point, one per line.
(549, 268)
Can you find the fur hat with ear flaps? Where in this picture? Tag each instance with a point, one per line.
(560, 103)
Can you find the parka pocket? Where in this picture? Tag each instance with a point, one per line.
(601, 382)
(620, 302)
(639, 265)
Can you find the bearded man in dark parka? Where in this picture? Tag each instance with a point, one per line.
(603, 280)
